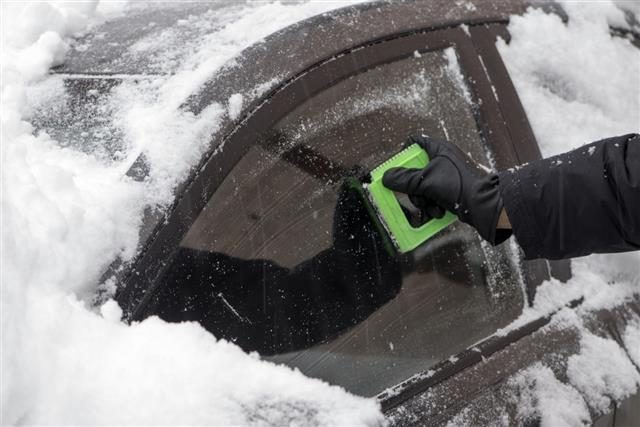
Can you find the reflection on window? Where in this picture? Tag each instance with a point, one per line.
(284, 258)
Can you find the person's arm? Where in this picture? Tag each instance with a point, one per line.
(581, 202)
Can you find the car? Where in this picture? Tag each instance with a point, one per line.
(267, 246)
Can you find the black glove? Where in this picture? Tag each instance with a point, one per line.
(452, 181)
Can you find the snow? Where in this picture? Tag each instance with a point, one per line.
(574, 92)
(152, 372)
(235, 105)
(453, 69)
(631, 340)
(541, 396)
(604, 281)
(602, 372)
(64, 208)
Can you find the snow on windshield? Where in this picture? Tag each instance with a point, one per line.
(67, 211)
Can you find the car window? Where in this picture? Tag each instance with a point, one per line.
(286, 260)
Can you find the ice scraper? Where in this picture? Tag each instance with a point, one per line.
(387, 207)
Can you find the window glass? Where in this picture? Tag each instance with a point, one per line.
(285, 259)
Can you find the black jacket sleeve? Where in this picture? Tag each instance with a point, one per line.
(581, 202)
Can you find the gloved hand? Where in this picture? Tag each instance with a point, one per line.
(452, 181)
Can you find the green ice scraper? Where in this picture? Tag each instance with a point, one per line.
(404, 236)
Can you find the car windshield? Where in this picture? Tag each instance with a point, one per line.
(286, 260)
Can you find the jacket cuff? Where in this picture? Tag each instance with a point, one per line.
(499, 235)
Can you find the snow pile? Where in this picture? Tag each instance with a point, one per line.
(33, 34)
(66, 213)
(541, 396)
(104, 371)
(578, 83)
(602, 372)
(599, 375)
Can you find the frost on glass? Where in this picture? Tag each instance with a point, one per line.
(284, 258)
